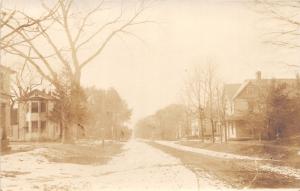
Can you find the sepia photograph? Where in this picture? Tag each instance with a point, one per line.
(149, 95)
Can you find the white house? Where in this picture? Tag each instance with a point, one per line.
(34, 122)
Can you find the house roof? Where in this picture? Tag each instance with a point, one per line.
(38, 94)
(231, 89)
(6, 68)
(262, 82)
(241, 88)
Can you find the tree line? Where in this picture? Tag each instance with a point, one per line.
(166, 123)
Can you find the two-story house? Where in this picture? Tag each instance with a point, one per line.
(231, 117)
(5, 96)
(242, 99)
(34, 117)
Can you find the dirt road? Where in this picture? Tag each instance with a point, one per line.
(138, 167)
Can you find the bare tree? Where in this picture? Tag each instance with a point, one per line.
(221, 111)
(284, 22)
(69, 39)
(68, 46)
(201, 95)
(25, 80)
(195, 97)
(14, 22)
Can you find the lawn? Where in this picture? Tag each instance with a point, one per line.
(83, 152)
(282, 155)
(235, 173)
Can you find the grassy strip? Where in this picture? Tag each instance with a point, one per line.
(94, 154)
(283, 156)
(89, 154)
(236, 173)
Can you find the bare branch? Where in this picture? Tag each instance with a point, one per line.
(109, 37)
(85, 19)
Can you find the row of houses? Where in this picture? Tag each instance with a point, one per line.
(239, 102)
(29, 118)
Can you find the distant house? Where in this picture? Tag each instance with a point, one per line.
(240, 102)
(33, 122)
(5, 100)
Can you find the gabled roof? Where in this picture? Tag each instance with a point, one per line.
(231, 89)
(261, 82)
(241, 88)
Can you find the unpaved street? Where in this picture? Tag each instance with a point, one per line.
(138, 167)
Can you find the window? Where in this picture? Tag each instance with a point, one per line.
(250, 106)
(34, 126)
(43, 126)
(34, 107)
(43, 107)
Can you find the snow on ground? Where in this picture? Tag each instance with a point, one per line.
(207, 152)
(284, 170)
(87, 142)
(138, 167)
(210, 181)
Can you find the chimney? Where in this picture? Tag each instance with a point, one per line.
(258, 75)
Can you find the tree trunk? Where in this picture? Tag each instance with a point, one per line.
(67, 132)
(221, 133)
(213, 131)
(199, 129)
(226, 129)
(67, 137)
(60, 130)
(202, 130)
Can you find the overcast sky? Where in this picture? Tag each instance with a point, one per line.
(149, 73)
